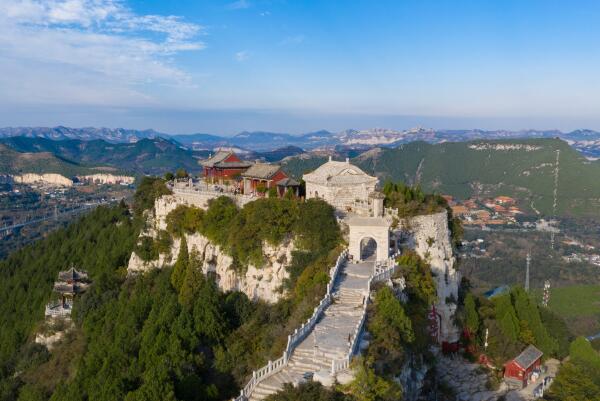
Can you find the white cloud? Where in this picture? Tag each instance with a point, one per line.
(88, 50)
(242, 55)
(265, 13)
(238, 5)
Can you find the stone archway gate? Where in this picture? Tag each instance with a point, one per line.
(377, 228)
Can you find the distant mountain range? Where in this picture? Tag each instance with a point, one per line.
(146, 156)
(522, 168)
(585, 141)
(74, 156)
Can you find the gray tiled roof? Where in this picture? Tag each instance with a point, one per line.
(72, 275)
(261, 170)
(528, 356)
(338, 173)
(218, 157)
(288, 182)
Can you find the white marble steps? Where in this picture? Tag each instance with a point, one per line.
(329, 338)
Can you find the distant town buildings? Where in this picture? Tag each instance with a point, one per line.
(501, 210)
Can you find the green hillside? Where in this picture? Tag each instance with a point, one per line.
(520, 168)
(523, 169)
(147, 156)
(13, 162)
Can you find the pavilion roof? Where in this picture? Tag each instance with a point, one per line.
(69, 288)
(261, 170)
(72, 275)
(218, 160)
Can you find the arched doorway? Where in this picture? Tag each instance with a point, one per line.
(368, 249)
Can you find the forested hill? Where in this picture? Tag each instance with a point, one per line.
(523, 169)
(13, 162)
(146, 156)
(165, 335)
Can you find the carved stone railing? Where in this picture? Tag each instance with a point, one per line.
(296, 338)
(338, 365)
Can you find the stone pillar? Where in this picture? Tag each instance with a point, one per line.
(377, 204)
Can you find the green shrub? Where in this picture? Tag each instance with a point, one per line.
(146, 249)
(147, 192)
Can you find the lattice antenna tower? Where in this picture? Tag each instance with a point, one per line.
(555, 193)
(546, 298)
(527, 271)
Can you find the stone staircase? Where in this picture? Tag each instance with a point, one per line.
(328, 340)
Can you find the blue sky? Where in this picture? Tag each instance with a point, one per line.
(296, 66)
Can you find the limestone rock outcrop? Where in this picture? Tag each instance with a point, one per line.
(257, 282)
(431, 241)
(106, 179)
(264, 283)
(48, 179)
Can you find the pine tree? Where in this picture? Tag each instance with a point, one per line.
(208, 312)
(471, 315)
(192, 282)
(507, 317)
(180, 267)
(527, 311)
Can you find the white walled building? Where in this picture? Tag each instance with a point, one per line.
(342, 185)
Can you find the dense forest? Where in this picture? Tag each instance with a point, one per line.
(99, 243)
(168, 334)
(171, 334)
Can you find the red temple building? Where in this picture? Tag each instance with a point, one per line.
(223, 166)
(266, 176)
(519, 371)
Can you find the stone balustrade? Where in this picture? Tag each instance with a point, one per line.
(296, 338)
(338, 365)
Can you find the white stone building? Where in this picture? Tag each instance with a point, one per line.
(342, 185)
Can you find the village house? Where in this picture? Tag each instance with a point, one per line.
(460, 210)
(525, 368)
(504, 200)
(223, 166)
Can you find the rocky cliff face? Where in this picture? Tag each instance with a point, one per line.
(107, 179)
(264, 283)
(430, 237)
(49, 179)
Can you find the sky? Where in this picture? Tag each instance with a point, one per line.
(222, 67)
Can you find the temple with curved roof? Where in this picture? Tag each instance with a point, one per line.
(343, 185)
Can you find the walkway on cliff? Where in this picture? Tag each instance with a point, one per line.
(329, 338)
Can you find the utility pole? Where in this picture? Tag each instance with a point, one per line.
(527, 272)
(485, 344)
